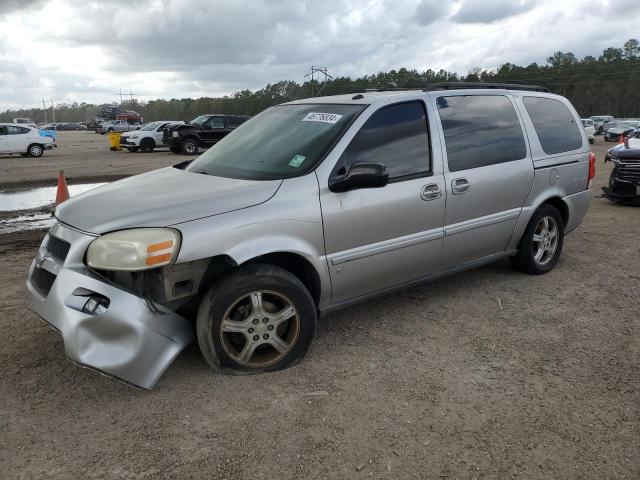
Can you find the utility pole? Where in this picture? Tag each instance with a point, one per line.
(44, 107)
(130, 95)
(53, 111)
(321, 72)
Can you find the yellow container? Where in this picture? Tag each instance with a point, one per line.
(114, 141)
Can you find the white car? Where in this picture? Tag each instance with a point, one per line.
(590, 129)
(148, 137)
(23, 139)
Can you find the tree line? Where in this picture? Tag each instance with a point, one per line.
(608, 84)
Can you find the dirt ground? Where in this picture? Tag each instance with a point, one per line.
(84, 157)
(487, 374)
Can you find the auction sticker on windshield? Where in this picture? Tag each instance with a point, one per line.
(322, 117)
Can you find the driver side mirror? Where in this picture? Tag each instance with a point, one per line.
(360, 175)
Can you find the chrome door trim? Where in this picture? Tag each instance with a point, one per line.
(482, 221)
(387, 246)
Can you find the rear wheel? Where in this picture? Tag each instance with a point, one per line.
(260, 318)
(541, 245)
(189, 146)
(35, 150)
(147, 145)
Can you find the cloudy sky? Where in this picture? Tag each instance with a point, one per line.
(85, 50)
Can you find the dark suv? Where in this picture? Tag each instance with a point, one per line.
(202, 132)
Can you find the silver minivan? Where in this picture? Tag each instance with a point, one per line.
(307, 208)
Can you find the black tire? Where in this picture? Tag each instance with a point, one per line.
(525, 260)
(189, 146)
(592, 141)
(35, 150)
(227, 292)
(132, 149)
(147, 145)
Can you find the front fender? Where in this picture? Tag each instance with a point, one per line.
(290, 222)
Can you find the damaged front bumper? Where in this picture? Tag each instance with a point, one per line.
(103, 326)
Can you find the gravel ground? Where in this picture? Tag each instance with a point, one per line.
(487, 374)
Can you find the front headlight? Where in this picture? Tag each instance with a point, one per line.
(131, 137)
(174, 134)
(134, 250)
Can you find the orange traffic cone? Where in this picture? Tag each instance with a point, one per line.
(62, 193)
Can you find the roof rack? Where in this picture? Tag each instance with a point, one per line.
(484, 85)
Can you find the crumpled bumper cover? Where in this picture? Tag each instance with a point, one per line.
(126, 339)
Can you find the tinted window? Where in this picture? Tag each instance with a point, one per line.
(395, 136)
(480, 130)
(554, 124)
(216, 122)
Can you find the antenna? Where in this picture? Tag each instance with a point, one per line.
(125, 94)
(320, 71)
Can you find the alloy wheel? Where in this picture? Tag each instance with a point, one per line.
(259, 328)
(545, 240)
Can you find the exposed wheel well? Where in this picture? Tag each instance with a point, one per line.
(292, 262)
(297, 265)
(561, 206)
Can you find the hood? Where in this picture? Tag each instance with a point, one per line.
(161, 198)
(631, 151)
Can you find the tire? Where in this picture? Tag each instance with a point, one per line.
(231, 340)
(535, 239)
(110, 130)
(189, 146)
(132, 149)
(147, 145)
(592, 141)
(35, 150)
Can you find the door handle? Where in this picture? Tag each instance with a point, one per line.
(430, 192)
(459, 185)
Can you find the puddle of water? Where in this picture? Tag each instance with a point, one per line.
(25, 222)
(38, 197)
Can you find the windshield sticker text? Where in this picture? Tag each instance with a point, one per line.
(322, 117)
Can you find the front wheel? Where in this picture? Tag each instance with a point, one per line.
(260, 318)
(189, 146)
(541, 245)
(35, 150)
(132, 149)
(147, 145)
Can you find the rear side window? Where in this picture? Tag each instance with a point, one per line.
(480, 130)
(395, 136)
(554, 124)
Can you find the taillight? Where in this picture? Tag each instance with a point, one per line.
(592, 169)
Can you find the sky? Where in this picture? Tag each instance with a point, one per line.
(85, 50)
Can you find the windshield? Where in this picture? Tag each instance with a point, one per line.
(199, 120)
(282, 142)
(151, 126)
(614, 125)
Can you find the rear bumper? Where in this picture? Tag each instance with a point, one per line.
(578, 205)
(125, 339)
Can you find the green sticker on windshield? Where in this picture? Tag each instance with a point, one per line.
(297, 160)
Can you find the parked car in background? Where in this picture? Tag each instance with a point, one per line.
(201, 132)
(619, 128)
(23, 120)
(148, 138)
(589, 129)
(309, 207)
(117, 126)
(624, 181)
(599, 121)
(24, 139)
